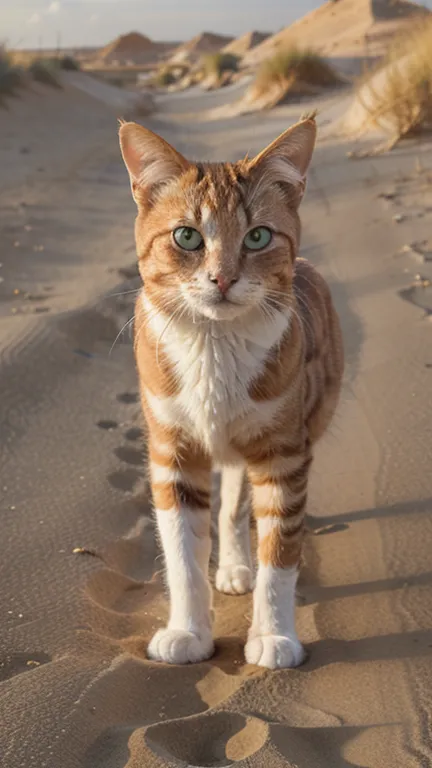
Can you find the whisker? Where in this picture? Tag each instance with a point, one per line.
(124, 293)
(120, 333)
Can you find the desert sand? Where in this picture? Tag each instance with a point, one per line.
(133, 49)
(192, 51)
(347, 32)
(242, 45)
(81, 574)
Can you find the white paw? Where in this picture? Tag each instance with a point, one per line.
(176, 646)
(234, 579)
(274, 651)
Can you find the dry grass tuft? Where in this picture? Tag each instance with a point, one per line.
(165, 77)
(400, 100)
(11, 76)
(170, 74)
(293, 68)
(45, 71)
(216, 64)
(69, 63)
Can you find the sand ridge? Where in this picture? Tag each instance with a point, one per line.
(245, 43)
(82, 585)
(133, 48)
(193, 50)
(347, 28)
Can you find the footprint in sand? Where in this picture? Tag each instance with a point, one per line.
(124, 479)
(17, 663)
(134, 433)
(130, 455)
(215, 739)
(107, 424)
(128, 398)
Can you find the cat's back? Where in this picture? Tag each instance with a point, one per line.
(324, 358)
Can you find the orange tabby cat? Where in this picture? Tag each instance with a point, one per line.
(240, 360)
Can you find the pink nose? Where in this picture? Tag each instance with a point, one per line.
(222, 283)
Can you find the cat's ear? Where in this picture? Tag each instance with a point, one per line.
(150, 160)
(287, 159)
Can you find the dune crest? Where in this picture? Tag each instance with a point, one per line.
(343, 28)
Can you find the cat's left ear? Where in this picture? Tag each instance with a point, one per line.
(287, 159)
(150, 160)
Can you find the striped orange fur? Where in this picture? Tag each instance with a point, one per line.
(240, 360)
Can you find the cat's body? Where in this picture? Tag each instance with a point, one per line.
(220, 366)
(240, 361)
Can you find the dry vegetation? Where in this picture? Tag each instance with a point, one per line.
(165, 77)
(294, 69)
(216, 64)
(170, 74)
(400, 100)
(11, 76)
(17, 72)
(45, 71)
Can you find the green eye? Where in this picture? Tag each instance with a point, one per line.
(188, 238)
(258, 238)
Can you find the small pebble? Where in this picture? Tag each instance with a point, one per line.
(398, 217)
(422, 282)
(84, 551)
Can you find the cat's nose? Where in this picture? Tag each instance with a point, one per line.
(222, 282)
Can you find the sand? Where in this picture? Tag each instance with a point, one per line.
(76, 690)
(132, 49)
(241, 45)
(348, 31)
(204, 43)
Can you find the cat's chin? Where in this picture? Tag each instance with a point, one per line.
(222, 311)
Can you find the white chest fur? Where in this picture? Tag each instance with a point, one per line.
(215, 363)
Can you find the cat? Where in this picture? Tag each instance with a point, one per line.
(240, 359)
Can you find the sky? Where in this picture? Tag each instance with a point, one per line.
(31, 23)
(42, 23)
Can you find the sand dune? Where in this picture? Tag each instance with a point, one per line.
(346, 28)
(44, 125)
(133, 49)
(192, 51)
(82, 585)
(245, 43)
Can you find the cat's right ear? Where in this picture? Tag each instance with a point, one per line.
(150, 160)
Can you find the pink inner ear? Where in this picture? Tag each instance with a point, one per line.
(149, 158)
(132, 157)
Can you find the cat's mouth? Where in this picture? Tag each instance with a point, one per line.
(218, 308)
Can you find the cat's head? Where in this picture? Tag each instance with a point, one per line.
(217, 240)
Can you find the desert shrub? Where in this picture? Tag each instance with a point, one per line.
(399, 98)
(295, 65)
(165, 77)
(45, 71)
(69, 63)
(218, 63)
(11, 76)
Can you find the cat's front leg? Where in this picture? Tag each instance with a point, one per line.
(279, 489)
(181, 494)
(235, 573)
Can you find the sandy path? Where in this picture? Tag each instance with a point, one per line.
(76, 690)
